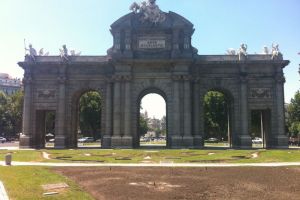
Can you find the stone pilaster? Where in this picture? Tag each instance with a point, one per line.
(127, 138)
(244, 137)
(280, 140)
(176, 137)
(26, 139)
(198, 139)
(60, 137)
(187, 136)
(116, 138)
(106, 139)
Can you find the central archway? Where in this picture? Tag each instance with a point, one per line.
(218, 118)
(87, 119)
(152, 119)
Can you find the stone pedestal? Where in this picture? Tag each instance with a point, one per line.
(127, 142)
(176, 142)
(116, 142)
(26, 142)
(280, 142)
(188, 142)
(106, 142)
(245, 142)
(60, 142)
(198, 142)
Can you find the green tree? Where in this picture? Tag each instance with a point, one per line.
(143, 124)
(293, 121)
(90, 114)
(216, 111)
(11, 108)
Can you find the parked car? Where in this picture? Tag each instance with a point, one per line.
(86, 139)
(257, 140)
(212, 140)
(2, 139)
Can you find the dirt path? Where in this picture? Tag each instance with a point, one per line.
(121, 183)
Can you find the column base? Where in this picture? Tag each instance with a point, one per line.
(198, 142)
(176, 142)
(121, 142)
(106, 142)
(60, 142)
(116, 142)
(245, 142)
(188, 141)
(279, 142)
(26, 142)
(127, 142)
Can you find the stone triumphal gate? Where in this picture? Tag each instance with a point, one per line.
(152, 53)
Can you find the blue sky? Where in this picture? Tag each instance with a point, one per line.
(84, 25)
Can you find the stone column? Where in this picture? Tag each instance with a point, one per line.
(116, 139)
(281, 140)
(60, 137)
(198, 143)
(244, 138)
(187, 137)
(27, 137)
(127, 138)
(176, 138)
(106, 139)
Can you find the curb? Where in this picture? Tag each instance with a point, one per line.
(280, 164)
(3, 194)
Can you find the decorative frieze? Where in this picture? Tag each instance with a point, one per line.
(46, 94)
(261, 93)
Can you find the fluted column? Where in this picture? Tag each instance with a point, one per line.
(244, 138)
(108, 111)
(176, 112)
(106, 139)
(176, 138)
(26, 137)
(280, 140)
(60, 136)
(187, 140)
(117, 109)
(197, 133)
(127, 107)
(187, 108)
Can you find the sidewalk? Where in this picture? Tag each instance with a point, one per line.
(279, 164)
(3, 194)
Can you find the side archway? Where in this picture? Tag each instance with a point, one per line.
(87, 118)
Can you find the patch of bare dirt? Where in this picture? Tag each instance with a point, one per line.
(121, 183)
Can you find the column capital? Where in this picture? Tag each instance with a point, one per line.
(27, 80)
(279, 79)
(243, 79)
(61, 80)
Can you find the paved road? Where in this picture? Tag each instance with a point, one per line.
(279, 164)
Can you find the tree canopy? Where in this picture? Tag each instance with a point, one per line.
(216, 115)
(11, 107)
(90, 114)
(293, 111)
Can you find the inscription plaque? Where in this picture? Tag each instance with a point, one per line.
(151, 43)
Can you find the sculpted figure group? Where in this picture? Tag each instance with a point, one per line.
(242, 51)
(150, 11)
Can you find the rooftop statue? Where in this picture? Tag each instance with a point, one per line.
(64, 52)
(32, 52)
(265, 50)
(149, 10)
(275, 51)
(231, 51)
(242, 50)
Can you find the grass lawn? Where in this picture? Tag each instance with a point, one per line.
(26, 183)
(156, 156)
